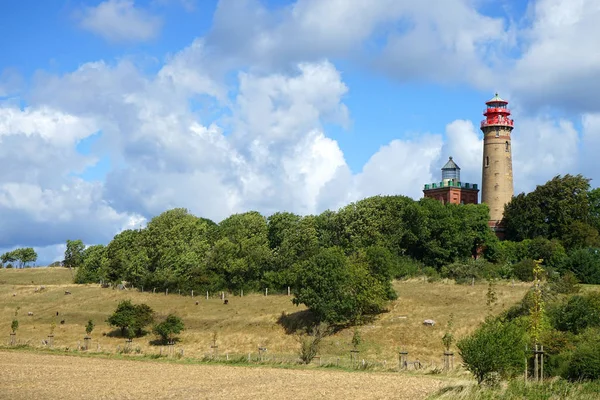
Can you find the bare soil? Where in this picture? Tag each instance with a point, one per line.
(44, 376)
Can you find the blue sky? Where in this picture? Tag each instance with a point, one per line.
(114, 111)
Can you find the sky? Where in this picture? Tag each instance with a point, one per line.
(114, 111)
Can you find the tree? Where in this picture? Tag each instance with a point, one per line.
(336, 290)
(8, 257)
(131, 319)
(585, 264)
(93, 266)
(550, 210)
(167, 329)
(74, 253)
(310, 343)
(495, 348)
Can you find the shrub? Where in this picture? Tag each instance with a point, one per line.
(172, 325)
(577, 313)
(311, 342)
(585, 264)
(584, 363)
(496, 348)
(406, 267)
(464, 272)
(523, 270)
(89, 327)
(566, 283)
(14, 325)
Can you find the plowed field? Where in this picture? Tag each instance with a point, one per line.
(42, 376)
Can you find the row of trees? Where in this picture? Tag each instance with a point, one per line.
(354, 252)
(23, 256)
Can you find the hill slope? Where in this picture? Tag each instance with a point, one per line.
(246, 322)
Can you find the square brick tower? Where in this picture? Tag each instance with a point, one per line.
(451, 189)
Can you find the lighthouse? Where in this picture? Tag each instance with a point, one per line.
(497, 175)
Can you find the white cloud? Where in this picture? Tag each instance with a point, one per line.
(120, 21)
(400, 167)
(559, 64)
(447, 41)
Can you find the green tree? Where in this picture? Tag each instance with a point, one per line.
(74, 253)
(93, 266)
(131, 319)
(550, 210)
(167, 329)
(337, 291)
(8, 257)
(496, 348)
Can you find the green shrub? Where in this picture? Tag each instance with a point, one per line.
(406, 267)
(495, 349)
(577, 313)
(171, 326)
(311, 342)
(584, 363)
(585, 264)
(464, 272)
(432, 274)
(566, 283)
(523, 270)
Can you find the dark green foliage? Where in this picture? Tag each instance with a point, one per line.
(549, 210)
(336, 290)
(585, 264)
(131, 318)
(465, 272)
(167, 329)
(523, 270)
(584, 363)
(577, 313)
(94, 262)
(495, 349)
(74, 253)
(14, 325)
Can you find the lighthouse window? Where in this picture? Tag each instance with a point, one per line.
(497, 132)
(487, 161)
(507, 146)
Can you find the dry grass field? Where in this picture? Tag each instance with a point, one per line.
(245, 323)
(41, 376)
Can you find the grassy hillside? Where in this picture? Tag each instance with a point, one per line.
(247, 322)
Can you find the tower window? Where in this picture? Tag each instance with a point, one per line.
(497, 132)
(507, 146)
(487, 161)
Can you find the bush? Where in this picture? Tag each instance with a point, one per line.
(311, 342)
(577, 313)
(406, 267)
(566, 283)
(131, 319)
(496, 348)
(585, 264)
(89, 327)
(432, 274)
(584, 363)
(523, 270)
(464, 272)
(172, 325)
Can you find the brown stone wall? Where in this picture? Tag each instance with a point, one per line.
(497, 176)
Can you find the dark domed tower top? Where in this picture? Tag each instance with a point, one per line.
(451, 189)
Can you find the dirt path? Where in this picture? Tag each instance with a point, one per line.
(42, 376)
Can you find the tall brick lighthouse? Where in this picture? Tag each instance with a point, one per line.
(497, 175)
